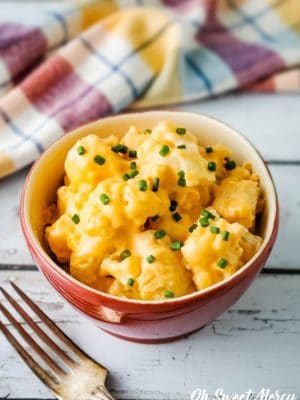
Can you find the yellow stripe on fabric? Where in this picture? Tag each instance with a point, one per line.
(289, 12)
(95, 10)
(142, 27)
(7, 165)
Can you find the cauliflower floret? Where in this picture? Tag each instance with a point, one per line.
(96, 162)
(165, 273)
(212, 254)
(236, 200)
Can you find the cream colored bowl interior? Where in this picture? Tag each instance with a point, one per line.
(48, 172)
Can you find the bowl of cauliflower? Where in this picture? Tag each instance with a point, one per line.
(152, 224)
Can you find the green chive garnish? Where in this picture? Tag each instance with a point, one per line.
(155, 185)
(133, 173)
(204, 222)
(159, 234)
(142, 185)
(125, 254)
(132, 153)
(176, 217)
(120, 148)
(80, 150)
(133, 165)
(180, 174)
(208, 149)
(99, 159)
(76, 218)
(193, 227)
(130, 282)
(169, 294)
(150, 259)
(214, 229)
(165, 150)
(181, 146)
(126, 177)
(181, 131)
(222, 263)
(211, 166)
(155, 217)
(225, 235)
(104, 199)
(173, 205)
(181, 182)
(148, 131)
(207, 214)
(229, 165)
(175, 246)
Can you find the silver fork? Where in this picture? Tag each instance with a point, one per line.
(76, 376)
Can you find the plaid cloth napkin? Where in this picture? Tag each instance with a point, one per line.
(63, 64)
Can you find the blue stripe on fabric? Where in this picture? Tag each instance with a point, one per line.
(19, 133)
(61, 20)
(115, 68)
(198, 71)
(250, 21)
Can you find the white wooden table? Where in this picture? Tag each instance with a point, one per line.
(254, 345)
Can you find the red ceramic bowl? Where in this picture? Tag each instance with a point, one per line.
(144, 321)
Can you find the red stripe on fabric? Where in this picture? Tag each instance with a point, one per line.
(21, 47)
(59, 92)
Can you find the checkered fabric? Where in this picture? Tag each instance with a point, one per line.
(63, 64)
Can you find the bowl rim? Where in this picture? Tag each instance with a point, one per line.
(259, 257)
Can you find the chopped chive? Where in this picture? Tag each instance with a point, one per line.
(150, 258)
(193, 227)
(155, 185)
(181, 182)
(211, 166)
(159, 234)
(155, 217)
(125, 254)
(104, 199)
(132, 153)
(176, 217)
(214, 229)
(181, 131)
(133, 173)
(76, 218)
(173, 205)
(80, 150)
(225, 235)
(207, 214)
(204, 222)
(99, 159)
(133, 165)
(181, 146)
(148, 131)
(208, 149)
(169, 294)
(142, 185)
(120, 148)
(130, 282)
(229, 165)
(181, 173)
(175, 246)
(222, 263)
(126, 177)
(164, 150)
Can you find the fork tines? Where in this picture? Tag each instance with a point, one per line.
(60, 368)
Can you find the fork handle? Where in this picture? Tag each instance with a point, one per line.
(100, 393)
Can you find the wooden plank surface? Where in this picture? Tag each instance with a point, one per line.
(285, 254)
(253, 345)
